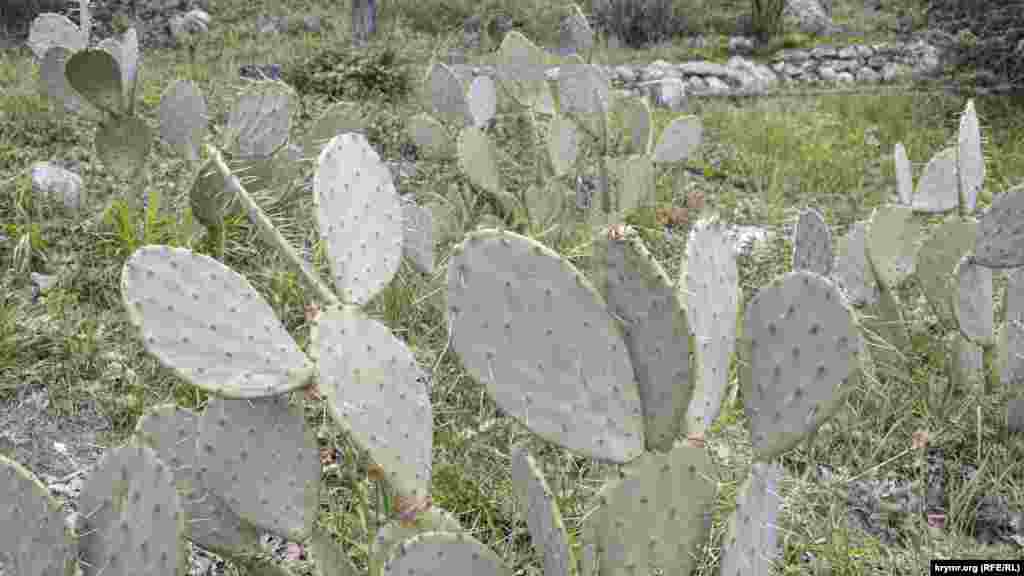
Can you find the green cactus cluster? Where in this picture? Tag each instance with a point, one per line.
(628, 365)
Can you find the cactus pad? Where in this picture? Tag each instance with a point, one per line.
(937, 189)
(802, 350)
(377, 392)
(972, 302)
(418, 230)
(392, 534)
(447, 95)
(359, 216)
(259, 455)
(563, 144)
(631, 117)
(812, 243)
(544, 519)
(679, 140)
(445, 554)
(34, 540)
(904, 179)
(126, 52)
(529, 326)
(208, 324)
(970, 161)
(134, 522)
(671, 497)
(891, 243)
(752, 541)
(1011, 334)
(937, 259)
(478, 159)
(183, 118)
(483, 100)
(55, 84)
(854, 272)
(123, 144)
(709, 286)
(657, 333)
(96, 75)
(520, 69)
(430, 136)
(1000, 242)
(583, 94)
(339, 118)
(173, 433)
(259, 120)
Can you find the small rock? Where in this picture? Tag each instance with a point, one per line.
(667, 93)
(51, 180)
(741, 45)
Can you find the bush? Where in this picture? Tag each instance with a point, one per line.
(640, 22)
(989, 34)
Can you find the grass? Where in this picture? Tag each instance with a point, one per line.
(763, 161)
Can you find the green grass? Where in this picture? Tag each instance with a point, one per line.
(763, 161)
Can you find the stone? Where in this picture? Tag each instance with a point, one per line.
(625, 74)
(893, 70)
(868, 76)
(741, 45)
(53, 181)
(808, 16)
(716, 85)
(667, 93)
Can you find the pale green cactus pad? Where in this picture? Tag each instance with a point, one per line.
(543, 518)
(937, 259)
(892, 243)
(34, 541)
(483, 100)
(938, 188)
(584, 95)
(972, 301)
(395, 532)
(521, 72)
(430, 136)
(447, 95)
(183, 118)
(802, 351)
(49, 30)
(709, 287)
(563, 145)
(631, 118)
(655, 517)
(418, 228)
(173, 433)
(123, 144)
(376, 390)
(636, 186)
(752, 541)
(547, 204)
(259, 120)
(657, 333)
(445, 554)
(528, 326)
(133, 518)
(208, 324)
(96, 75)
(1011, 334)
(1000, 234)
(126, 52)
(55, 84)
(812, 243)
(853, 270)
(679, 140)
(966, 364)
(359, 216)
(904, 179)
(970, 161)
(260, 456)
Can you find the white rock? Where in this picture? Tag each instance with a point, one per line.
(51, 180)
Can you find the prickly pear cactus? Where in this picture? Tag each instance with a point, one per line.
(936, 261)
(260, 456)
(892, 243)
(812, 243)
(530, 328)
(938, 188)
(259, 120)
(173, 433)
(521, 68)
(709, 288)
(331, 559)
(802, 351)
(752, 541)
(970, 161)
(96, 75)
(543, 517)
(671, 496)
(972, 302)
(391, 535)
(447, 95)
(34, 541)
(55, 84)
(443, 554)
(208, 324)
(359, 216)
(183, 118)
(418, 227)
(1000, 234)
(340, 118)
(134, 522)
(854, 272)
(657, 332)
(904, 179)
(50, 30)
(376, 391)
(1011, 333)
(679, 140)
